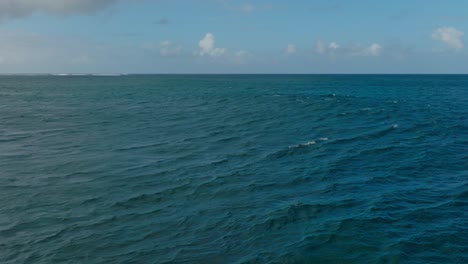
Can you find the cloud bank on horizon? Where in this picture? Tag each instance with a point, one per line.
(214, 36)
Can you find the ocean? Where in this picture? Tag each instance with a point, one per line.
(234, 169)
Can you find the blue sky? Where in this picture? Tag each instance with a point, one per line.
(229, 36)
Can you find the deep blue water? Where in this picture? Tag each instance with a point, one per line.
(234, 169)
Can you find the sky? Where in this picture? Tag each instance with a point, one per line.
(230, 36)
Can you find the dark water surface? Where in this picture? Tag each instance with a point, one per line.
(234, 169)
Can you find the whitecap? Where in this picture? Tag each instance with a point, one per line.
(303, 144)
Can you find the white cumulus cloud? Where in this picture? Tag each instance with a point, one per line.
(207, 47)
(322, 48)
(450, 36)
(21, 8)
(333, 46)
(290, 49)
(374, 49)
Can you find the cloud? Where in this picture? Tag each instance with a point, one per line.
(10, 9)
(322, 48)
(207, 47)
(333, 48)
(290, 49)
(168, 49)
(450, 36)
(240, 57)
(373, 50)
(164, 48)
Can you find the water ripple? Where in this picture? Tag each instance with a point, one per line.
(234, 169)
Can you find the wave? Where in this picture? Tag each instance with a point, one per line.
(299, 213)
(183, 169)
(367, 135)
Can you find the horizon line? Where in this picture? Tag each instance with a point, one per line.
(128, 74)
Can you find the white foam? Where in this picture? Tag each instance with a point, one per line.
(303, 145)
(108, 74)
(395, 126)
(312, 142)
(61, 74)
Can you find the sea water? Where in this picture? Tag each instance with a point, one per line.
(234, 169)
